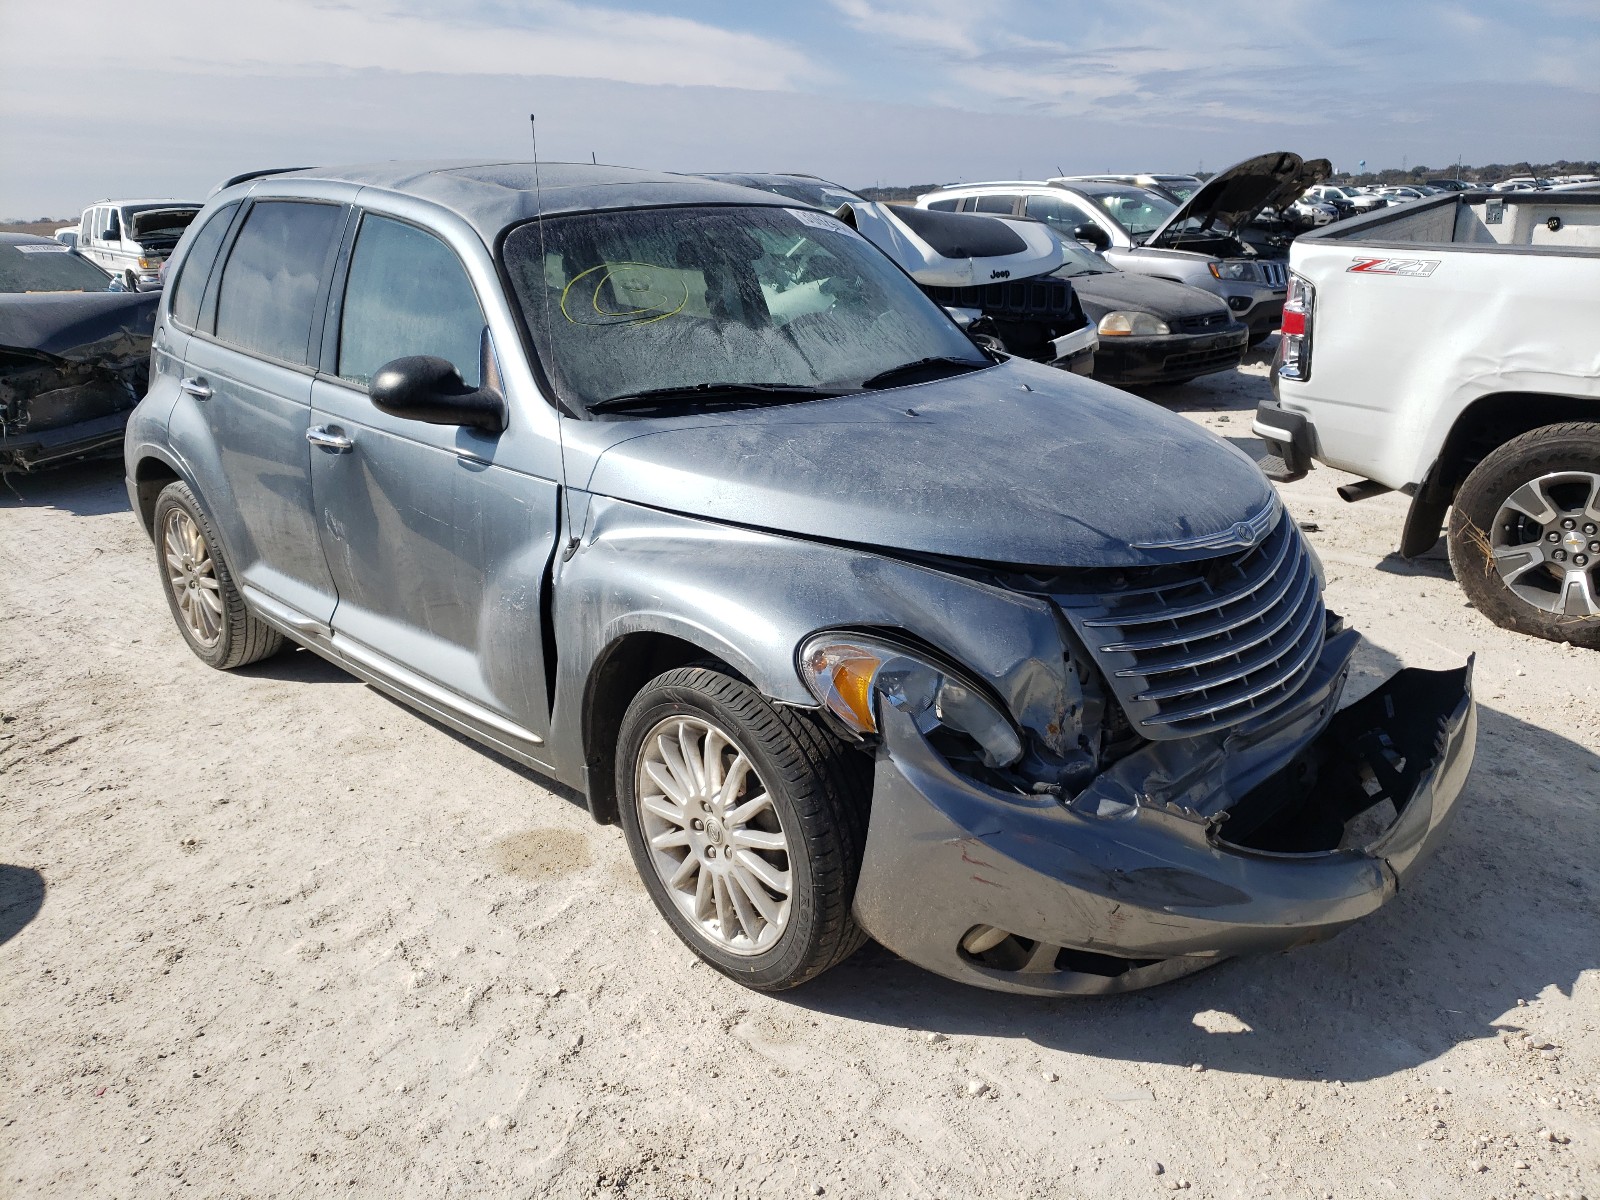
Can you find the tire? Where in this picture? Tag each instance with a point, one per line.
(1555, 472)
(818, 790)
(189, 557)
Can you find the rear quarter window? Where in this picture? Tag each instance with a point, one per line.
(273, 278)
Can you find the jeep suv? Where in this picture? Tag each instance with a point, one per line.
(689, 498)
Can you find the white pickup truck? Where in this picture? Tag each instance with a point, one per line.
(1450, 349)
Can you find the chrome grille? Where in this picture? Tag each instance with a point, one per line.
(1210, 644)
(1275, 271)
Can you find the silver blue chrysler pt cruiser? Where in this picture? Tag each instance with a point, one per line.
(690, 499)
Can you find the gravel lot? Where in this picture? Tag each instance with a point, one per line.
(269, 934)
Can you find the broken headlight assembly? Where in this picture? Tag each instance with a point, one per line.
(1132, 324)
(851, 676)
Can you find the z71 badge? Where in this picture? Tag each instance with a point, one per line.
(1415, 268)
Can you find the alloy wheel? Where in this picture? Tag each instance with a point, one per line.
(1546, 543)
(192, 575)
(715, 838)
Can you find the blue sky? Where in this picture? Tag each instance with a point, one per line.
(168, 97)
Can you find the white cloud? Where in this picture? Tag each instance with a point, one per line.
(541, 37)
(952, 25)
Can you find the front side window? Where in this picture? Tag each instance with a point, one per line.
(1064, 219)
(407, 294)
(272, 278)
(196, 267)
(633, 302)
(1138, 211)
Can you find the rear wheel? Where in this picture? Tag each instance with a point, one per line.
(200, 589)
(746, 822)
(1525, 534)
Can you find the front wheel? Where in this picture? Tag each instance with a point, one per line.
(201, 592)
(1525, 534)
(746, 822)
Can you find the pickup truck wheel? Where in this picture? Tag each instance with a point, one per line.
(204, 600)
(1525, 534)
(746, 822)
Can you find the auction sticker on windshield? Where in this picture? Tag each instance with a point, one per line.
(57, 248)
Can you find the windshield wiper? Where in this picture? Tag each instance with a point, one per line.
(887, 378)
(717, 393)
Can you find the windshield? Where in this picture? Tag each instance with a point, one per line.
(625, 303)
(1181, 188)
(817, 195)
(47, 267)
(1080, 260)
(1137, 210)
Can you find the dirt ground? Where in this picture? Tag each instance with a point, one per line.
(271, 934)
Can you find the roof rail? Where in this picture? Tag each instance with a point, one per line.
(249, 175)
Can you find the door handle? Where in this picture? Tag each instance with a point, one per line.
(327, 439)
(198, 388)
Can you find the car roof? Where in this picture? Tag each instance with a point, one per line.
(495, 194)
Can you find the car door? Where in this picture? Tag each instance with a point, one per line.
(438, 544)
(247, 376)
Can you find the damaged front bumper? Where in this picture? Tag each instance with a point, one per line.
(1179, 855)
(1169, 358)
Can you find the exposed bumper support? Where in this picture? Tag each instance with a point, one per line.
(1095, 904)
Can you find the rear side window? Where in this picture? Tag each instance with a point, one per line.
(943, 205)
(270, 284)
(995, 204)
(407, 294)
(196, 267)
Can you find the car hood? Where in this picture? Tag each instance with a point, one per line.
(1231, 199)
(942, 249)
(1100, 294)
(78, 325)
(1018, 464)
(161, 222)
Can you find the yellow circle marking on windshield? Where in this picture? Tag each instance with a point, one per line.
(643, 315)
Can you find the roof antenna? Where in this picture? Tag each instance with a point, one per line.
(544, 255)
(592, 160)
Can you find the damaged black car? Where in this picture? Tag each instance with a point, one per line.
(74, 355)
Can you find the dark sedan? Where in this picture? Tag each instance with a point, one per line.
(74, 355)
(1152, 330)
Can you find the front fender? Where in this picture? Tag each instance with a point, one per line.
(750, 598)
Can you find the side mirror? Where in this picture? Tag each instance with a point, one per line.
(424, 388)
(1092, 234)
(111, 235)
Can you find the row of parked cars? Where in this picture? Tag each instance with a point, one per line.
(785, 528)
(1138, 280)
